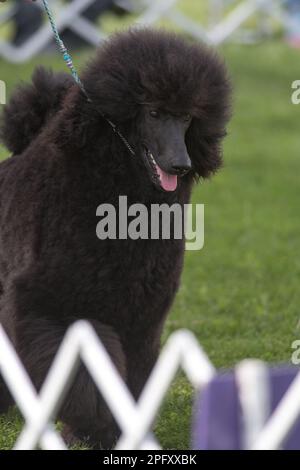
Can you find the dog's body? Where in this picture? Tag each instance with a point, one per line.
(53, 268)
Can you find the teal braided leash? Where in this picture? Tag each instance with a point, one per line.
(68, 59)
(66, 56)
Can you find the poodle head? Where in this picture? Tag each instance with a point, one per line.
(171, 97)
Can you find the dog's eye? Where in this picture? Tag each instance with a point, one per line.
(187, 117)
(154, 113)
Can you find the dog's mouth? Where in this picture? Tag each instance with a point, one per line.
(159, 177)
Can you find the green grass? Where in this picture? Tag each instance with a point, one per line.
(239, 295)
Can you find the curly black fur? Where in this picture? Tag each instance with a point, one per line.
(53, 268)
(31, 106)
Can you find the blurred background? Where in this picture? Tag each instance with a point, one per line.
(240, 294)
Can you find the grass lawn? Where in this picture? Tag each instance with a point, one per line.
(239, 295)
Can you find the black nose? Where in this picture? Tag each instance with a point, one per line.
(180, 170)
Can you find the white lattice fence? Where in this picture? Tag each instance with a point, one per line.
(222, 26)
(135, 419)
(81, 342)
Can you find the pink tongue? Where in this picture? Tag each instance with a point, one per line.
(168, 182)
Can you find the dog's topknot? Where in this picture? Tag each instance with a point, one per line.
(158, 67)
(31, 106)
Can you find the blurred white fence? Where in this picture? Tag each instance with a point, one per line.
(226, 19)
(2, 92)
(134, 418)
(81, 342)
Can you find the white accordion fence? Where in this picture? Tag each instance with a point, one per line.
(136, 418)
(226, 19)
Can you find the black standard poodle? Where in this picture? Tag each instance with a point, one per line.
(170, 99)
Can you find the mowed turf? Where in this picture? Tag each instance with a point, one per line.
(240, 294)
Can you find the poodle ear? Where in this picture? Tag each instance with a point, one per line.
(208, 127)
(204, 149)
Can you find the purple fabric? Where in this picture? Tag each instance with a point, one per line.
(217, 420)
